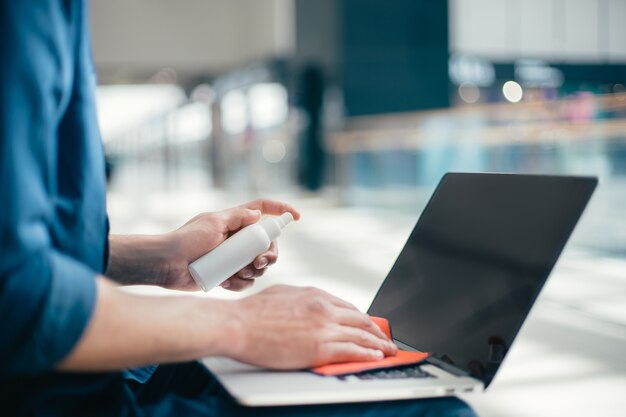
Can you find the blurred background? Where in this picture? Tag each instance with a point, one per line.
(352, 110)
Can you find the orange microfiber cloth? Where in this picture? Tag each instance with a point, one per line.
(403, 357)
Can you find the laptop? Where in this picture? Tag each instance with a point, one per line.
(460, 289)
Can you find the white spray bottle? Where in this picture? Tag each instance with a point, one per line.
(237, 251)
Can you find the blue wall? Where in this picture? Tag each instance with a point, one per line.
(394, 55)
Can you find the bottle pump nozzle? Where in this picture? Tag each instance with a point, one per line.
(274, 225)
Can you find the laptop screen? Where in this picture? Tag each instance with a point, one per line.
(476, 261)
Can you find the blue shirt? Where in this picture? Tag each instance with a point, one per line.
(53, 225)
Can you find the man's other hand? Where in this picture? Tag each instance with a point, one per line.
(285, 327)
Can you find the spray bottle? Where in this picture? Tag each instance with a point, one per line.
(237, 251)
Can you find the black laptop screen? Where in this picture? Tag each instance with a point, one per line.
(475, 262)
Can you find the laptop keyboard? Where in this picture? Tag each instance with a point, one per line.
(407, 372)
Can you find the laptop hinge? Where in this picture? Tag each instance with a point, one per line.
(433, 360)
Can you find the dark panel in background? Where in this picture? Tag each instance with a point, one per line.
(394, 55)
(317, 35)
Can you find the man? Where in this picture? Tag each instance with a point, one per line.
(68, 332)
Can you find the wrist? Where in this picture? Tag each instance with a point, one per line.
(140, 259)
(174, 255)
(224, 330)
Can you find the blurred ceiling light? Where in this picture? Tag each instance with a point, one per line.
(234, 112)
(268, 105)
(512, 91)
(122, 108)
(469, 92)
(192, 123)
(274, 151)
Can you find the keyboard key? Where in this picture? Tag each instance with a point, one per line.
(394, 373)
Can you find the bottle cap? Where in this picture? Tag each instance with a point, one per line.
(285, 219)
(274, 225)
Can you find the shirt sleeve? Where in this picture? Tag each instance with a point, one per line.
(46, 297)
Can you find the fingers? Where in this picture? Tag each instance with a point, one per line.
(250, 273)
(363, 338)
(237, 284)
(357, 327)
(260, 264)
(238, 217)
(347, 324)
(359, 320)
(244, 279)
(266, 258)
(272, 207)
(251, 212)
(335, 352)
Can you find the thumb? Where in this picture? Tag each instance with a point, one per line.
(239, 217)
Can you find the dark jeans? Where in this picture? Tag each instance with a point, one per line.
(180, 391)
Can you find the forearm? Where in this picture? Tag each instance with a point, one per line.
(129, 330)
(139, 259)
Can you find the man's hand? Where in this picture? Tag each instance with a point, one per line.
(206, 231)
(163, 259)
(286, 327)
